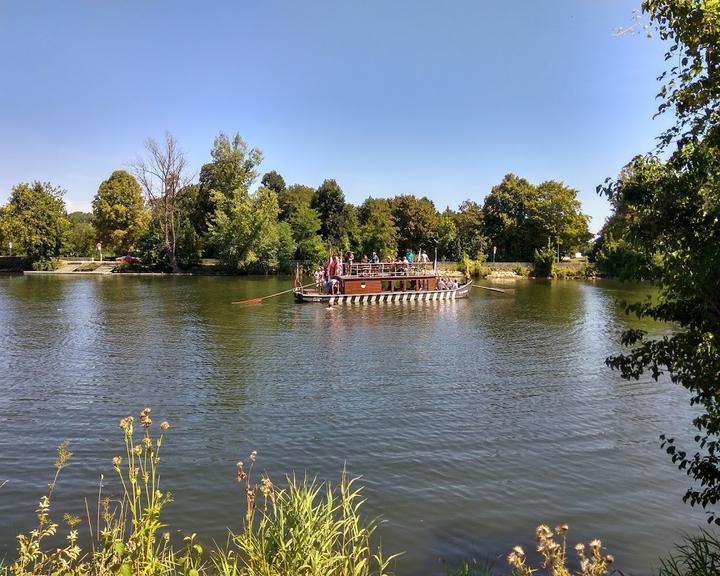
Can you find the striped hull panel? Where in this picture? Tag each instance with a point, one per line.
(386, 298)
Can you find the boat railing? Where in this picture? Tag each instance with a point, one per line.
(379, 269)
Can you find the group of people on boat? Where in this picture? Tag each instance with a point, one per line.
(447, 284)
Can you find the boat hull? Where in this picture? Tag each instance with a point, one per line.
(385, 297)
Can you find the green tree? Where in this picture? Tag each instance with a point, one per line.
(506, 216)
(286, 247)
(378, 232)
(448, 243)
(35, 221)
(329, 201)
(557, 215)
(470, 225)
(416, 220)
(304, 223)
(245, 230)
(80, 237)
(234, 165)
(119, 214)
(673, 217)
(294, 197)
(273, 181)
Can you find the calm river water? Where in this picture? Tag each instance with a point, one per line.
(470, 421)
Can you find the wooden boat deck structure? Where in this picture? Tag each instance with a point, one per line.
(378, 283)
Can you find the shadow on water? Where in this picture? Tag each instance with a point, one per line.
(470, 421)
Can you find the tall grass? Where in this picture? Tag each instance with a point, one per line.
(696, 556)
(306, 529)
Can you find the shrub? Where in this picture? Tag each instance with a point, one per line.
(543, 261)
(47, 265)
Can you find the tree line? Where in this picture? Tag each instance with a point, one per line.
(157, 210)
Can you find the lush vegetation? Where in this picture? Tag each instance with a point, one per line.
(665, 227)
(159, 213)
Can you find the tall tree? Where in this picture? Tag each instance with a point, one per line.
(378, 232)
(305, 225)
(674, 209)
(273, 181)
(162, 175)
(447, 236)
(119, 215)
(234, 166)
(416, 220)
(294, 197)
(329, 201)
(471, 230)
(245, 230)
(505, 214)
(35, 221)
(558, 216)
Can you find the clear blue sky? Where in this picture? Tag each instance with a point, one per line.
(436, 98)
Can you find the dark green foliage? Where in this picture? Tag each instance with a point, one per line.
(273, 181)
(543, 260)
(417, 222)
(329, 201)
(520, 218)
(471, 239)
(80, 237)
(150, 248)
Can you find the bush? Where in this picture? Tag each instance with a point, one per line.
(47, 265)
(544, 261)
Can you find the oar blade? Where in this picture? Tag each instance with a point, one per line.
(251, 301)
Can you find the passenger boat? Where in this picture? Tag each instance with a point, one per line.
(376, 283)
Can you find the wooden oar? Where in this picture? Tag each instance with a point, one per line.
(259, 300)
(493, 289)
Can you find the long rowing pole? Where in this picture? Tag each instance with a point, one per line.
(493, 289)
(259, 300)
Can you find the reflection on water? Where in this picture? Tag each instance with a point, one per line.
(471, 421)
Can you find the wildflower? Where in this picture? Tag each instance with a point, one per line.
(580, 548)
(166, 536)
(117, 461)
(562, 529)
(610, 558)
(164, 426)
(595, 545)
(147, 442)
(543, 532)
(145, 419)
(266, 486)
(253, 455)
(137, 450)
